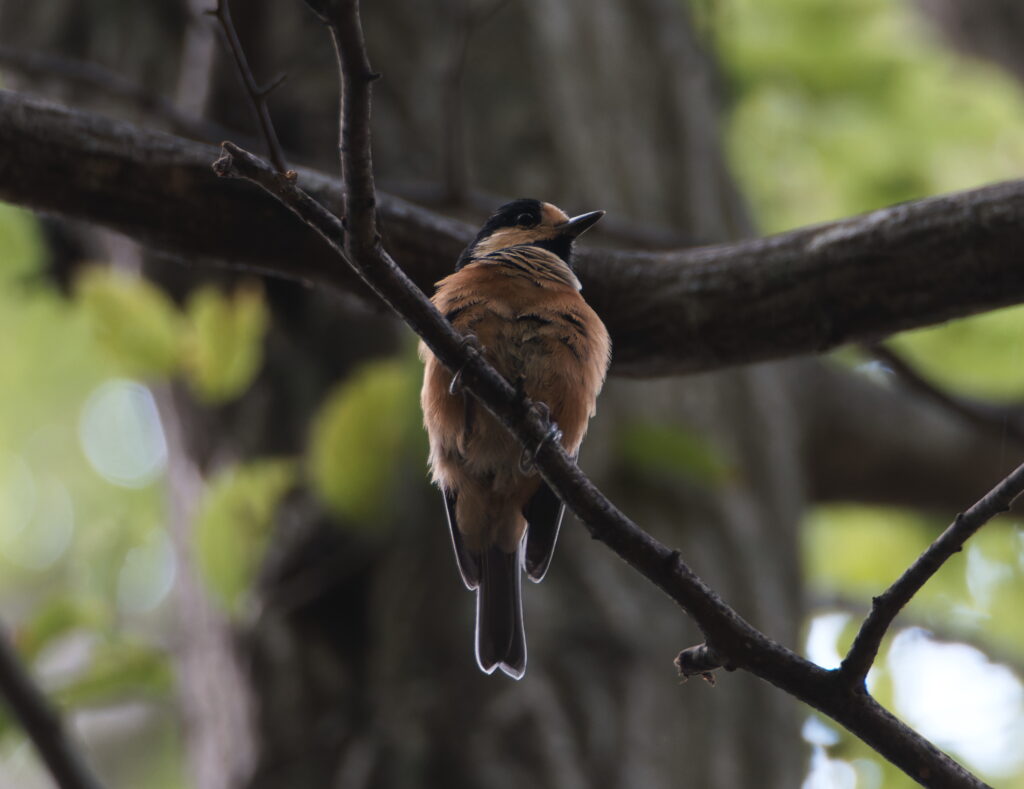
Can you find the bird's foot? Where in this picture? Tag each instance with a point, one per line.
(528, 459)
(472, 347)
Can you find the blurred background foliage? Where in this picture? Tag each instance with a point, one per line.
(836, 109)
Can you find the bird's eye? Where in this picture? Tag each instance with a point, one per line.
(526, 220)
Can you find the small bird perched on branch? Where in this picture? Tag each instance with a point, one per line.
(516, 298)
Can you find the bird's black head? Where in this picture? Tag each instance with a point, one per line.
(527, 221)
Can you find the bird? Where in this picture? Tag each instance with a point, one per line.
(515, 297)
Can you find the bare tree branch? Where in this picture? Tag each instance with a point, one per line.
(741, 645)
(42, 724)
(867, 442)
(672, 312)
(996, 420)
(885, 607)
(256, 94)
(342, 17)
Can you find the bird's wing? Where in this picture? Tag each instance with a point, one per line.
(543, 513)
(469, 563)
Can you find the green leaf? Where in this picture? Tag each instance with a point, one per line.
(20, 242)
(224, 348)
(117, 672)
(235, 522)
(359, 438)
(658, 449)
(860, 550)
(977, 356)
(57, 618)
(839, 108)
(134, 319)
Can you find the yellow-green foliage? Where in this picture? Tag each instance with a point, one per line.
(21, 248)
(224, 346)
(841, 108)
(117, 672)
(216, 342)
(234, 524)
(132, 318)
(860, 550)
(362, 433)
(995, 579)
(56, 618)
(982, 356)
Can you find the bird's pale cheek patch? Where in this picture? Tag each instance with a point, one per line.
(510, 237)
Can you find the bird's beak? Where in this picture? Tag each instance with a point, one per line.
(580, 224)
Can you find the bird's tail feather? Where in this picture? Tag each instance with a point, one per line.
(500, 638)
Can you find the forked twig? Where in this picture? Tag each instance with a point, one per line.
(256, 93)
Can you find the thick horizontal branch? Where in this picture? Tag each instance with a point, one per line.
(669, 312)
(159, 189)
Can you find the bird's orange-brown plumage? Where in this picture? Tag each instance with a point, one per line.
(516, 294)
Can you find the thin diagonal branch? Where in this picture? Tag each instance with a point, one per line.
(887, 605)
(256, 93)
(999, 421)
(41, 723)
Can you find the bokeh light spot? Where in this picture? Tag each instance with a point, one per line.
(17, 493)
(49, 531)
(121, 435)
(146, 575)
(823, 639)
(953, 695)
